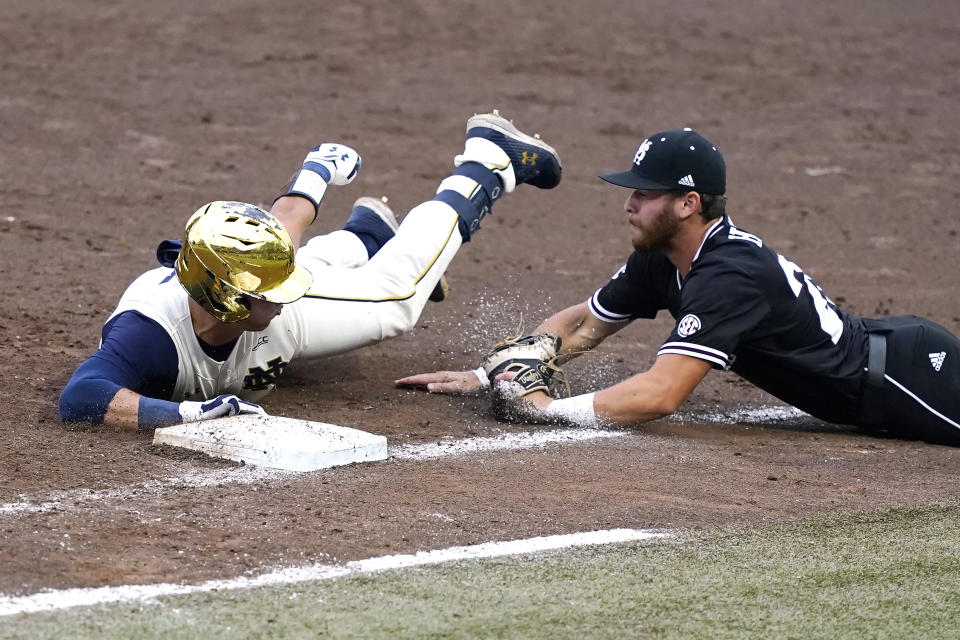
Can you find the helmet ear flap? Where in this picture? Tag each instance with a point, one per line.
(227, 300)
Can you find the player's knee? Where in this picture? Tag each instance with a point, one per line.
(401, 318)
(400, 323)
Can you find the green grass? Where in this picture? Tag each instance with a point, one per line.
(890, 574)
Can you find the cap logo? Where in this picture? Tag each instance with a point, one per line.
(642, 151)
(687, 181)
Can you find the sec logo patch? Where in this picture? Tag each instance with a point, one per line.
(688, 325)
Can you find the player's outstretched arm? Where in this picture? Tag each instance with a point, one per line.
(295, 214)
(328, 163)
(578, 329)
(92, 396)
(136, 354)
(129, 410)
(653, 394)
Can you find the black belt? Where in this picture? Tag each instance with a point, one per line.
(876, 358)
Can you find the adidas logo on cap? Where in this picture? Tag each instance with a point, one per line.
(936, 359)
(687, 181)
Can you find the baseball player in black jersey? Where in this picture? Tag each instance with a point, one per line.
(738, 305)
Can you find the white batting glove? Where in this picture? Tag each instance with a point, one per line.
(219, 407)
(341, 162)
(329, 163)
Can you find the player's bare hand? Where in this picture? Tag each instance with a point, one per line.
(443, 382)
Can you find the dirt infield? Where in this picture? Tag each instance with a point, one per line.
(839, 124)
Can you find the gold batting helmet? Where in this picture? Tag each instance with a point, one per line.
(233, 249)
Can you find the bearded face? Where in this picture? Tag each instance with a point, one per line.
(653, 224)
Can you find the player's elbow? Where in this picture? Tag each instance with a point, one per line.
(669, 402)
(72, 404)
(655, 409)
(665, 403)
(665, 410)
(85, 400)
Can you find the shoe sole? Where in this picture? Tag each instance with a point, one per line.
(380, 208)
(499, 123)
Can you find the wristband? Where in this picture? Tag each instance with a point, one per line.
(577, 410)
(311, 182)
(153, 413)
(482, 376)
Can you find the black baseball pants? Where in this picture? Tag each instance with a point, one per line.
(913, 390)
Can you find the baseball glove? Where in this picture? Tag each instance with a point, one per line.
(533, 360)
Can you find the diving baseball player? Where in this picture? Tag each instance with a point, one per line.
(738, 305)
(209, 332)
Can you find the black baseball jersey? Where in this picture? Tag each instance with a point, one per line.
(746, 308)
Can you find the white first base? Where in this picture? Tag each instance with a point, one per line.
(276, 442)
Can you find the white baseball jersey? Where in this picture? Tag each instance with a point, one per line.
(353, 302)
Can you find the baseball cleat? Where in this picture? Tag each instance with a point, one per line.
(366, 211)
(534, 161)
(441, 291)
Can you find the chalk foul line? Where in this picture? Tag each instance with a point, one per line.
(66, 598)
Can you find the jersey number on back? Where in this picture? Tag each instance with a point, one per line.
(830, 321)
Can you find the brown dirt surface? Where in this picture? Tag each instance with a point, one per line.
(840, 127)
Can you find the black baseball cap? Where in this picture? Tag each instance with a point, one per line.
(675, 159)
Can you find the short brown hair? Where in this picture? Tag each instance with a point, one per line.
(711, 206)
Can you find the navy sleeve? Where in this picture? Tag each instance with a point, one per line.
(136, 353)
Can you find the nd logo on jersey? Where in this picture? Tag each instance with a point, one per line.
(258, 379)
